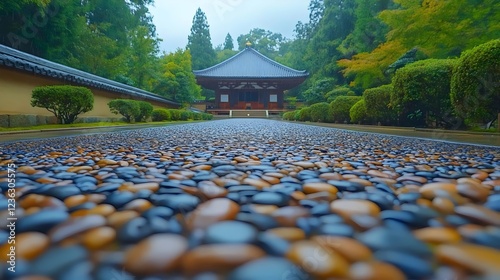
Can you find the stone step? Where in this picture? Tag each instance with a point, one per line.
(249, 114)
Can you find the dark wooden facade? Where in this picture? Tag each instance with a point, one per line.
(249, 81)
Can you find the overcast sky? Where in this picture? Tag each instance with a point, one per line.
(174, 18)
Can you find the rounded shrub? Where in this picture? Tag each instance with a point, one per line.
(421, 93)
(129, 109)
(341, 107)
(160, 115)
(377, 101)
(475, 86)
(358, 112)
(175, 114)
(64, 101)
(339, 91)
(145, 111)
(304, 114)
(186, 115)
(321, 112)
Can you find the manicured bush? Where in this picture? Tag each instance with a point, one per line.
(321, 112)
(186, 115)
(475, 86)
(146, 109)
(341, 107)
(65, 102)
(340, 91)
(289, 116)
(206, 116)
(161, 115)
(296, 115)
(129, 109)
(377, 102)
(304, 114)
(358, 112)
(421, 94)
(175, 114)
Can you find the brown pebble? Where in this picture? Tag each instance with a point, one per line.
(309, 188)
(118, 219)
(351, 249)
(258, 183)
(41, 201)
(287, 216)
(321, 197)
(375, 270)
(331, 176)
(99, 237)
(431, 190)
(349, 207)
(28, 246)
(210, 190)
(137, 187)
(139, 205)
(75, 200)
(212, 211)
(74, 226)
(443, 205)
(264, 209)
(27, 170)
(475, 191)
(316, 260)
(219, 257)
(290, 234)
(480, 259)
(304, 164)
(377, 173)
(438, 235)
(104, 162)
(363, 222)
(479, 214)
(160, 253)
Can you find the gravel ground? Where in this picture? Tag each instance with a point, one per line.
(249, 199)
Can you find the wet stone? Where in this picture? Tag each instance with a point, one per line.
(230, 232)
(157, 254)
(270, 198)
(382, 238)
(268, 268)
(41, 221)
(75, 226)
(412, 266)
(219, 257)
(56, 259)
(212, 211)
(260, 221)
(347, 186)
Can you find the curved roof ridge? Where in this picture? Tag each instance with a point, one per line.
(13, 58)
(250, 63)
(275, 62)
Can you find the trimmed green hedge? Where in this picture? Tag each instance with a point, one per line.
(357, 112)
(320, 112)
(145, 111)
(341, 107)
(421, 94)
(160, 115)
(377, 101)
(475, 86)
(65, 102)
(129, 109)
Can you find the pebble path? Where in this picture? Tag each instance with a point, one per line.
(248, 199)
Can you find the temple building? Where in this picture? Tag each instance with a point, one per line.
(249, 84)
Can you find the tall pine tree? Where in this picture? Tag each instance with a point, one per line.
(228, 42)
(199, 42)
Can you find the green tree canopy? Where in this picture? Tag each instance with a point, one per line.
(200, 42)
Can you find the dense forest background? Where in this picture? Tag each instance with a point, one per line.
(347, 46)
